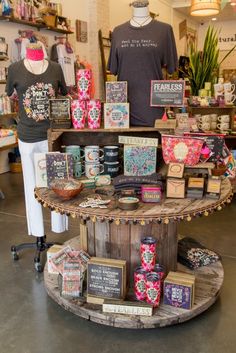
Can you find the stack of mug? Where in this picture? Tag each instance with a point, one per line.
(89, 160)
(213, 122)
(224, 92)
(206, 122)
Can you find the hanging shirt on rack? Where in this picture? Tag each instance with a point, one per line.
(67, 62)
(137, 55)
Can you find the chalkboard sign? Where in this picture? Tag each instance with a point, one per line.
(167, 93)
(59, 113)
(106, 278)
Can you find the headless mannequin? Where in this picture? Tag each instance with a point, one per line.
(140, 16)
(35, 62)
(37, 66)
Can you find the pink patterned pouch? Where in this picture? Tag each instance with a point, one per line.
(181, 149)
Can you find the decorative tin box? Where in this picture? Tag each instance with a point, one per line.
(151, 193)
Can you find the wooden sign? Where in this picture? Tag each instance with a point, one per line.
(106, 278)
(175, 170)
(127, 308)
(167, 93)
(165, 124)
(81, 31)
(59, 113)
(138, 141)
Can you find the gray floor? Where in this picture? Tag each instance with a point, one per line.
(30, 322)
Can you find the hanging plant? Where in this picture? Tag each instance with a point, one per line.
(204, 65)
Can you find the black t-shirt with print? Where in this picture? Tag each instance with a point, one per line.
(137, 55)
(34, 92)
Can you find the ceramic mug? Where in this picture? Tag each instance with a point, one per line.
(93, 154)
(111, 168)
(111, 153)
(218, 89)
(229, 87)
(204, 126)
(204, 119)
(76, 151)
(214, 117)
(93, 169)
(78, 169)
(229, 98)
(213, 125)
(223, 126)
(224, 118)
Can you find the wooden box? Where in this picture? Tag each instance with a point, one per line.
(175, 188)
(106, 279)
(179, 290)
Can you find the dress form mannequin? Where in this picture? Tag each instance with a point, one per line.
(35, 62)
(35, 80)
(140, 48)
(140, 15)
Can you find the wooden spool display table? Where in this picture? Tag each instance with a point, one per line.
(116, 234)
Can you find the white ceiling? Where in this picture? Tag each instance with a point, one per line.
(228, 12)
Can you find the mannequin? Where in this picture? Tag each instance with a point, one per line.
(140, 48)
(35, 81)
(141, 15)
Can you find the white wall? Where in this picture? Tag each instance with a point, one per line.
(76, 10)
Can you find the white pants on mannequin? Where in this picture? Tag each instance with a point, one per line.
(34, 212)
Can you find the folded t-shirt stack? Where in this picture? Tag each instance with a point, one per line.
(122, 182)
(193, 254)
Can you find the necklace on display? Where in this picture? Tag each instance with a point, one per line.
(142, 23)
(31, 68)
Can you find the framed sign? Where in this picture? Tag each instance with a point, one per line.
(106, 279)
(59, 113)
(167, 93)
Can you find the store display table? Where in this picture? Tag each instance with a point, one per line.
(209, 280)
(116, 234)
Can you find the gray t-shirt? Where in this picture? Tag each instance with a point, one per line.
(137, 55)
(34, 92)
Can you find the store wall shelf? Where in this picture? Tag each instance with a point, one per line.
(3, 82)
(34, 24)
(11, 115)
(8, 147)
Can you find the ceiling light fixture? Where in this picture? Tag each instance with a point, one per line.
(205, 7)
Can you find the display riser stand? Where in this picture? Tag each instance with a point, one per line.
(209, 280)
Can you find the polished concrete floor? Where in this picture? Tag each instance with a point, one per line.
(30, 322)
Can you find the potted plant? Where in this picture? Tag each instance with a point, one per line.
(204, 65)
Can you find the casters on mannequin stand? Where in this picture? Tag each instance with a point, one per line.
(40, 245)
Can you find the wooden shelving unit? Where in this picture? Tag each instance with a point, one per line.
(34, 24)
(8, 147)
(8, 116)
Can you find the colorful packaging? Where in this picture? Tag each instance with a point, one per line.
(84, 82)
(94, 114)
(148, 253)
(79, 114)
(140, 283)
(153, 289)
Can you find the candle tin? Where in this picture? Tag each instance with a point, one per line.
(140, 283)
(148, 253)
(151, 193)
(153, 289)
(128, 203)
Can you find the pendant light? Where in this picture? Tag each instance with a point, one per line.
(205, 7)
